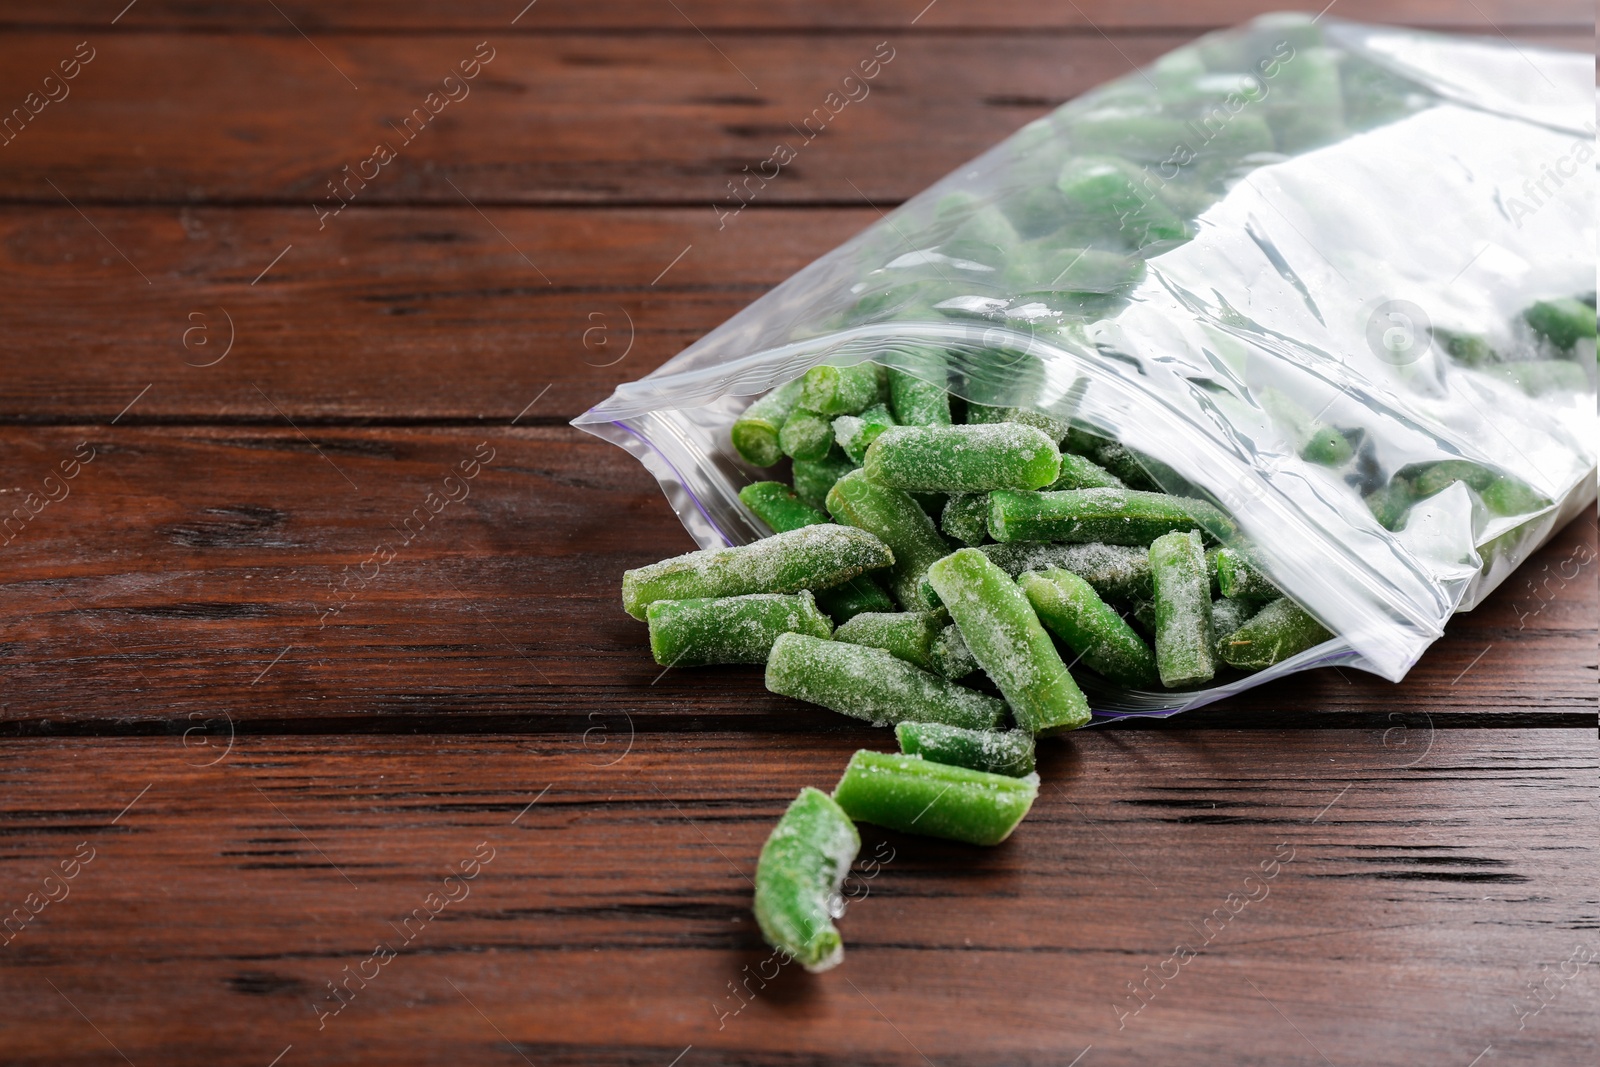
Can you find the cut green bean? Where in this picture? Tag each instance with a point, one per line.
(1005, 637)
(735, 629)
(844, 602)
(973, 459)
(899, 522)
(1052, 427)
(966, 518)
(1275, 633)
(917, 402)
(1328, 448)
(1117, 572)
(813, 478)
(1238, 577)
(806, 435)
(855, 433)
(835, 391)
(910, 635)
(798, 877)
(755, 434)
(1069, 607)
(1103, 196)
(1108, 516)
(1080, 472)
(871, 684)
(1562, 321)
(1226, 617)
(777, 505)
(951, 657)
(1114, 456)
(1007, 752)
(813, 557)
(1185, 640)
(918, 796)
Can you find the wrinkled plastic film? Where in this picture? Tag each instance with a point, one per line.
(1348, 250)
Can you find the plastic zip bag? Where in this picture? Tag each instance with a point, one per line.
(1297, 268)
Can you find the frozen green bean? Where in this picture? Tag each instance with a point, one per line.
(776, 505)
(1117, 572)
(871, 684)
(910, 635)
(832, 391)
(918, 796)
(1238, 577)
(917, 402)
(1005, 637)
(755, 434)
(1052, 427)
(1080, 472)
(899, 522)
(1103, 197)
(813, 478)
(735, 629)
(856, 432)
(974, 459)
(812, 557)
(966, 518)
(951, 657)
(1108, 516)
(798, 877)
(1328, 448)
(1069, 607)
(1227, 616)
(844, 602)
(1114, 456)
(1185, 640)
(1275, 633)
(1562, 321)
(1007, 752)
(806, 435)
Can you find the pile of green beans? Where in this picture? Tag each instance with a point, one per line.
(934, 544)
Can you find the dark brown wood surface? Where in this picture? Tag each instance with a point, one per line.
(273, 766)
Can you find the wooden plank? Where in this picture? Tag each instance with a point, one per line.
(205, 118)
(1401, 909)
(385, 16)
(414, 314)
(219, 571)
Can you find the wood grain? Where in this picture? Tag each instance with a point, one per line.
(186, 560)
(192, 118)
(405, 314)
(386, 16)
(1412, 902)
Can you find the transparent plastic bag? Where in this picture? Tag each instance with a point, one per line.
(1287, 240)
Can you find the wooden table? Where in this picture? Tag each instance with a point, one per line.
(244, 764)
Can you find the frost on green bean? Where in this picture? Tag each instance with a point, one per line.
(855, 433)
(1237, 576)
(1109, 516)
(813, 557)
(1006, 638)
(871, 684)
(806, 435)
(835, 391)
(844, 602)
(813, 478)
(755, 433)
(1275, 633)
(971, 459)
(1069, 607)
(918, 796)
(1007, 752)
(966, 518)
(899, 522)
(909, 635)
(1185, 640)
(735, 629)
(798, 877)
(917, 402)
(777, 505)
